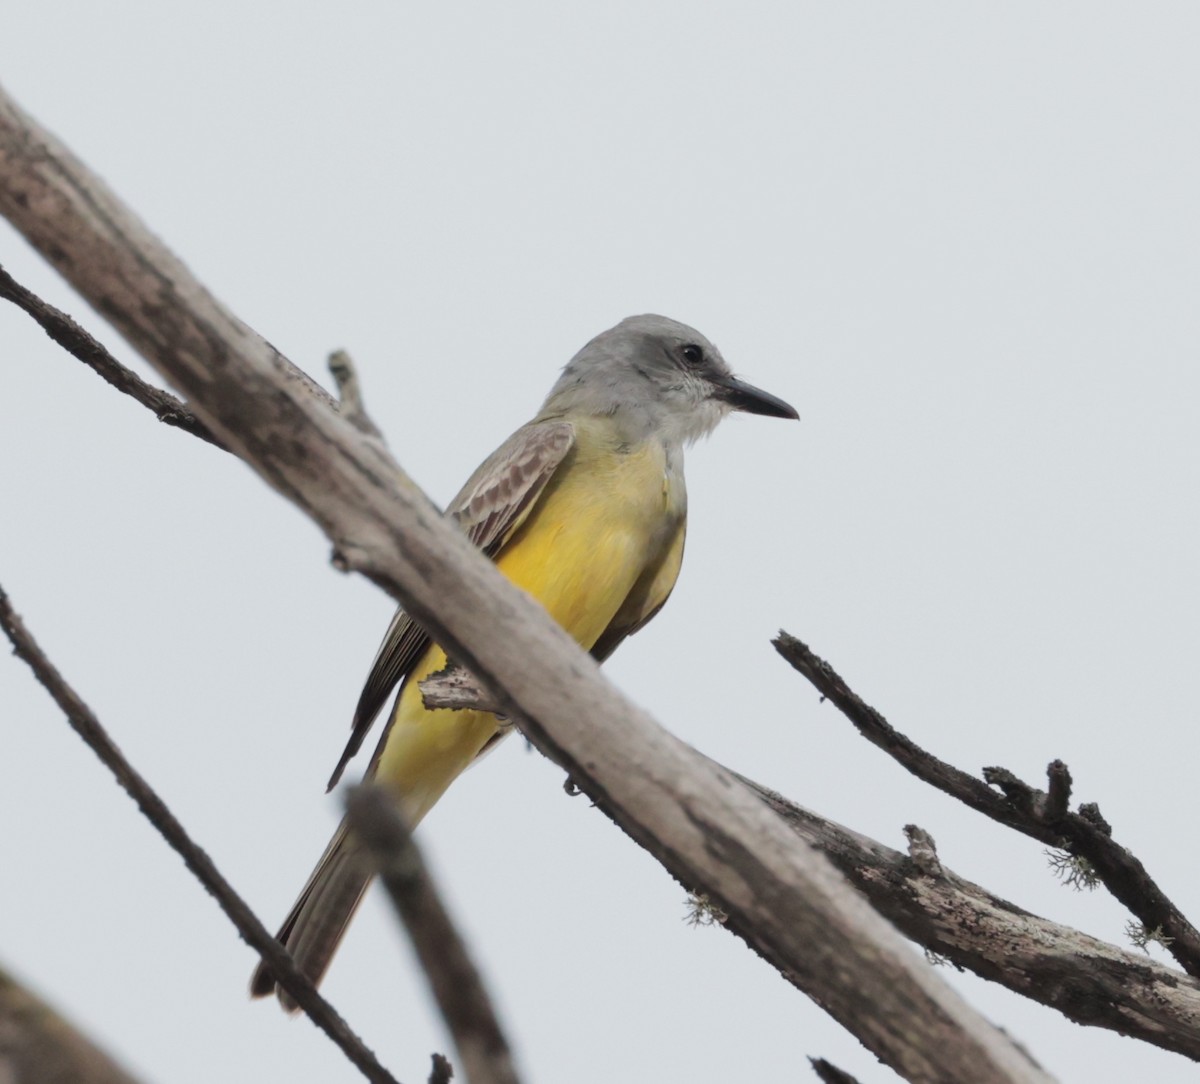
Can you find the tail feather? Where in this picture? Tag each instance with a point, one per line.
(419, 755)
(318, 920)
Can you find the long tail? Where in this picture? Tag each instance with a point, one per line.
(317, 922)
(420, 753)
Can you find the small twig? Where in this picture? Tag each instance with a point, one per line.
(253, 932)
(453, 977)
(1031, 811)
(1058, 791)
(830, 1073)
(457, 688)
(442, 1071)
(72, 338)
(1090, 812)
(353, 407)
(923, 851)
(1021, 796)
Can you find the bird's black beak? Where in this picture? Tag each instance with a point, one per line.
(742, 396)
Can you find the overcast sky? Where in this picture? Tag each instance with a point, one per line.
(961, 239)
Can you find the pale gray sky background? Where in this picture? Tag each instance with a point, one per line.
(961, 239)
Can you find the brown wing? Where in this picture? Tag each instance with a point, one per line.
(490, 507)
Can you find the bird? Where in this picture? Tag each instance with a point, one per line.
(585, 508)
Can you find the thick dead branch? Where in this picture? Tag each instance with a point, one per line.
(1044, 815)
(79, 343)
(787, 902)
(37, 1046)
(1087, 980)
(453, 976)
(253, 932)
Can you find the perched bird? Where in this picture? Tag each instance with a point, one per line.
(585, 508)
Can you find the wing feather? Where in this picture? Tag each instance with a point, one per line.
(496, 500)
(649, 595)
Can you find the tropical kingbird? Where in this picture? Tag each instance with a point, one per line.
(585, 508)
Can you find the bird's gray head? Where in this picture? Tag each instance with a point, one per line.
(657, 375)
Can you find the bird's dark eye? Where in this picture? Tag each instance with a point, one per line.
(692, 354)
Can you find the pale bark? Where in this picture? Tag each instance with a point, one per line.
(713, 834)
(1088, 980)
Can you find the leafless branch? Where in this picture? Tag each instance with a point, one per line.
(1087, 980)
(455, 981)
(37, 1046)
(82, 345)
(253, 932)
(711, 834)
(964, 924)
(1044, 815)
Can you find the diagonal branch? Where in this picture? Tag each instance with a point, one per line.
(453, 976)
(786, 902)
(1087, 980)
(37, 1046)
(82, 345)
(1044, 815)
(253, 932)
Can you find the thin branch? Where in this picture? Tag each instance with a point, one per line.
(787, 902)
(253, 932)
(1040, 814)
(441, 1071)
(78, 342)
(453, 976)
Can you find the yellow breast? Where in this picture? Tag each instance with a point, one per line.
(605, 518)
(609, 520)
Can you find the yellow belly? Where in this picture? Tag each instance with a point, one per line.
(599, 525)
